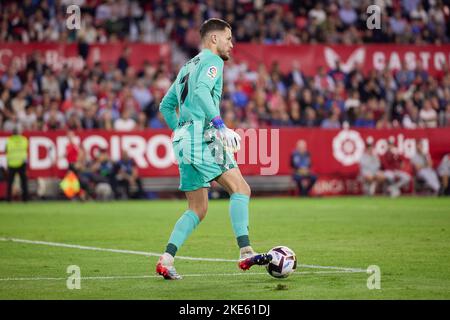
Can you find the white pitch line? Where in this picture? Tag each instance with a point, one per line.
(157, 276)
(142, 253)
(334, 268)
(154, 254)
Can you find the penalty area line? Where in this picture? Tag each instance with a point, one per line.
(154, 254)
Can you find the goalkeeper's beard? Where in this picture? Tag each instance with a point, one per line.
(224, 55)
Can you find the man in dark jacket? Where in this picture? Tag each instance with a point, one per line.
(301, 163)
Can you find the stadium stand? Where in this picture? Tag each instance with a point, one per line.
(118, 97)
(38, 98)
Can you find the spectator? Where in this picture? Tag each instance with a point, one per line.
(72, 151)
(12, 123)
(16, 157)
(74, 122)
(83, 169)
(420, 72)
(18, 104)
(444, 173)
(332, 122)
(351, 104)
(295, 76)
(89, 119)
(423, 167)
(347, 13)
(123, 61)
(306, 99)
(142, 94)
(239, 97)
(322, 81)
(370, 169)
(295, 114)
(280, 119)
(157, 122)
(428, 116)
(4, 101)
(125, 123)
(318, 14)
(404, 77)
(127, 176)
(103, 176)
(11, 80)
(411, 117)
(397, 23)
(142, 122)
(301, 164)
(384, 123)
(53, 118)
(50, 85)
(29, 121)
(394, 170)
(310, 118)
(365, 118)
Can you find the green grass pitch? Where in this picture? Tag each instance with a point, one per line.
(408, 238)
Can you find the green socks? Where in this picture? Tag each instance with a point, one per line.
(183, 228)
(189, 221)
(239, 218)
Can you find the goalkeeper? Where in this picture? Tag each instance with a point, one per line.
(204, 146)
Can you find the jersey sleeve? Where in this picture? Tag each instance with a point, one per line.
(168, 107)
(210, 72)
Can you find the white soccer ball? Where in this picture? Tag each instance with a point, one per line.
(284, 262)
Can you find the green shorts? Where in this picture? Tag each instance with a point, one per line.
(201, 157)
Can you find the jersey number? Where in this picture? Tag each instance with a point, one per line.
(185, 80)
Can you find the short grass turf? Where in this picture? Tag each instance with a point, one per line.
(408, 238)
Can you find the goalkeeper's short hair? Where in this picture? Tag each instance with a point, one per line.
(213, 24)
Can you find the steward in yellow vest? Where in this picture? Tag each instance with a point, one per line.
(16, 157)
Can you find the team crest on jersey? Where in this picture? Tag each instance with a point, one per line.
(212, 72)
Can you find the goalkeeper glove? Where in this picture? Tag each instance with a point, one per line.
(230, 139)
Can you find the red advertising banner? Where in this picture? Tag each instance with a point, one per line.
(265, 152)
(56, 55)
(378, 57)
(432, 57)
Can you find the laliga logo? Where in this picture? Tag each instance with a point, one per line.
(348, 147)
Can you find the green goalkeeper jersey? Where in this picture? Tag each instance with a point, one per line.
(196, 91)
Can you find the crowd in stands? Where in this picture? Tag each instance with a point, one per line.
(116, 97)
(100, 177)
(276, 21)
(38, 98)
(103, 179)
(382, 99)
(392, 173)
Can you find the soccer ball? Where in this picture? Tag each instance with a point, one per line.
(284, 262)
